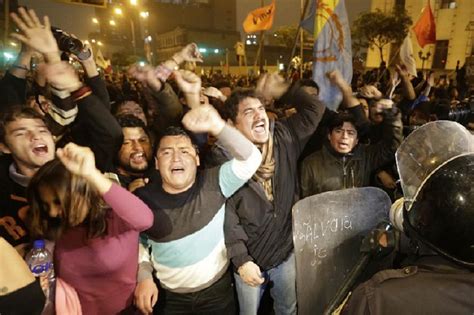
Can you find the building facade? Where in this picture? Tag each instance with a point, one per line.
(211, 24)
(454, 33)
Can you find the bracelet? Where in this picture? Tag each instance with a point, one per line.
(162, 72)
(22, 67)
(81, 93)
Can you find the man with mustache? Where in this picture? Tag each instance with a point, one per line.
(134, 157)
(258, 217)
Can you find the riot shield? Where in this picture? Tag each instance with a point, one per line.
(327, 232)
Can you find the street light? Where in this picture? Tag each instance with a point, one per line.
(144, 14)
(119, 11)
(133, 2)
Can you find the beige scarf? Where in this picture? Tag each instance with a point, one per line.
(266, 169)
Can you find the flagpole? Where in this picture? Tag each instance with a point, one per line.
(388, 64)
(293, 50)
(262, 41)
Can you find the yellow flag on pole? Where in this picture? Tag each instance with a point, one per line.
(260, 19)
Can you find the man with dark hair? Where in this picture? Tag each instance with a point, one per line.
(343, 162)
(258, 218)
(135, 155)
(27, 144)
(188, 252)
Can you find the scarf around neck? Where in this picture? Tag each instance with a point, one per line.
(265, 171)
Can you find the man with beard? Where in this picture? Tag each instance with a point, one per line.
(134, 157)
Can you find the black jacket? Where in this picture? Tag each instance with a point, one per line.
(259, 230)
(96, 127)
(432, 285)
(327, 170)
(13, 206)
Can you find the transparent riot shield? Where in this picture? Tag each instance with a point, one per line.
(327, 232)
(427, 148)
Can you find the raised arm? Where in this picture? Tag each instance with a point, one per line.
(81, 162)
(348, 99)
(93, 78)
(383, 151)
(36, 34)
(407, 87)
(205, 118)
(14, 80)
(309, 112)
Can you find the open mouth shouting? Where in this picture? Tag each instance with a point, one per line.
(177, 170)
(343, 145)
(40, 149)
(137, 158)
(259, 127)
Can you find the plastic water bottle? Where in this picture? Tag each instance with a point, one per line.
(40, 262)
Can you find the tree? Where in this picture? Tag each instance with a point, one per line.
(378, 29)
(285, 36)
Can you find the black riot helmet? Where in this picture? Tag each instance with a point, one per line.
(442, 213)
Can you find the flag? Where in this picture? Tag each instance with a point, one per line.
(260, 19)
(406, 55)
(332, 50)
(308, 23)
(102, 62)
(425, 27)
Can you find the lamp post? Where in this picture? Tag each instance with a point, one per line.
(142, 14)
(118, 11)
(423, 58)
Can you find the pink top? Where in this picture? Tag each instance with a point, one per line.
(103, 270)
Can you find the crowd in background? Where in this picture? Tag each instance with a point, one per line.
(155, 177)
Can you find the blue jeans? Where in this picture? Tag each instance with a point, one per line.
(282, 280)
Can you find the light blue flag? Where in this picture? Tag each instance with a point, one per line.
(332, 48)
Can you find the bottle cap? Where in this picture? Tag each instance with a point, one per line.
(38, 244)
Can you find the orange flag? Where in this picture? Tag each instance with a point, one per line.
(260, 19)
(425, 28)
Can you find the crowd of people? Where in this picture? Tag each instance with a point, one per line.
(166, 192)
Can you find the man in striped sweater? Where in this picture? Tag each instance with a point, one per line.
(185, 246)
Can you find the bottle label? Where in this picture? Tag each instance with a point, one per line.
(41, 268)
